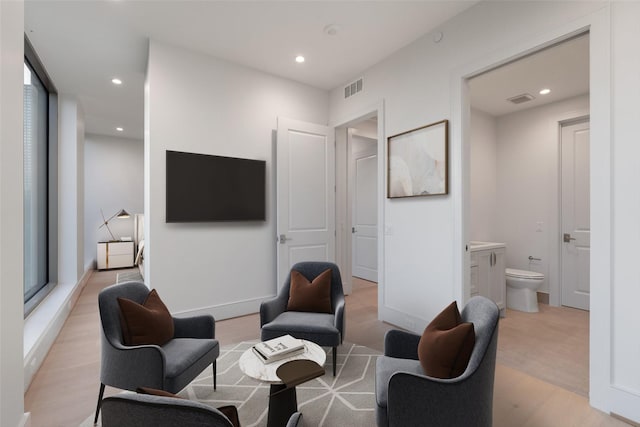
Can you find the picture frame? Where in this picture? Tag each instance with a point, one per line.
(418, 162)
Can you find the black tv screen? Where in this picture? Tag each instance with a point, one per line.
(205, 188)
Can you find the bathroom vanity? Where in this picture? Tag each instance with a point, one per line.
(488, 272)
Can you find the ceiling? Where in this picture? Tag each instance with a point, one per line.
(84, 44)
(563, 68)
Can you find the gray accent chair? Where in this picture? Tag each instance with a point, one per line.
(142, 410)
(406, 397)
(169, 367)
(324, 329)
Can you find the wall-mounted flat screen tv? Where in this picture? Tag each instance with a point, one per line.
(206, 188)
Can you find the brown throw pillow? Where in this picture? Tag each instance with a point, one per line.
(146, 323)
(446, 344)
(311, 297)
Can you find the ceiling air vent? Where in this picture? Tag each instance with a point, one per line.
(519, 99)
(353, 88)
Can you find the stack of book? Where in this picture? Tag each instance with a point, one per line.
(278, 348)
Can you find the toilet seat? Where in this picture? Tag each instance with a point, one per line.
(523, 274)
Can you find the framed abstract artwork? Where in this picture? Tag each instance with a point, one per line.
(418, 161)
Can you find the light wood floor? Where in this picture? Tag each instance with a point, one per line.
(64, 391)
(552, 345)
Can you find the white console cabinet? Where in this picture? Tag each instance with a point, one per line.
(115, 255)
(488, 272)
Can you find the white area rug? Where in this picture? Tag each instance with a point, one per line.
(347, 399)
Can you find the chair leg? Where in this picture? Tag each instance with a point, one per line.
(335, 357)
(214, 375)
(100, 395)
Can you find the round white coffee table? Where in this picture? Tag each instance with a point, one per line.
(282, 400)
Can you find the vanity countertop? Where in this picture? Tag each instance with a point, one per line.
(479, 246)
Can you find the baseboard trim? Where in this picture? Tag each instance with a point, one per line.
(624, 420)
(42, 326)
(624, 404)
(227, 310)
(26, 420)
(402, 320)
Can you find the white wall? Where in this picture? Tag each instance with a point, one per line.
(483, 177)
(66, 246)
(11, 227)
(415, 85)
(528, 187)
(424, 244)
(366, 128)
(70, 191)
(113, 180)
(361, 143)
(197, 103)
(625, 288)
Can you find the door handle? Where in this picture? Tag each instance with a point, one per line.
(283, 238)
(353, 230)
(566, 238)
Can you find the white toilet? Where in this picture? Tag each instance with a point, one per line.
(521, 289)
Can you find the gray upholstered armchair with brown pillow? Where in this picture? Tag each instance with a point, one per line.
(169, 366)
(406, 397)
(303, 315)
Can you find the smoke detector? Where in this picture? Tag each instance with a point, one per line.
(331, 29)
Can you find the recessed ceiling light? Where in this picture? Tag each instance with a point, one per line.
(545, 91)
(116, 81)
(119, 129)
(299, 59)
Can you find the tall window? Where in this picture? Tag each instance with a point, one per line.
(36, 101)
(36, 91)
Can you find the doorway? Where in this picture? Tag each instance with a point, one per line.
(359, 178)
(516, 159)
(362, 146)
(516, 166)
(334, 221)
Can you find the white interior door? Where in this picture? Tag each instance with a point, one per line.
(305, 194)
(576, 234)
(364, 178)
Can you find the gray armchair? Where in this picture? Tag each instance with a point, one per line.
(141, 410)
(406, 397)
(324, 329)
(169, 367)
